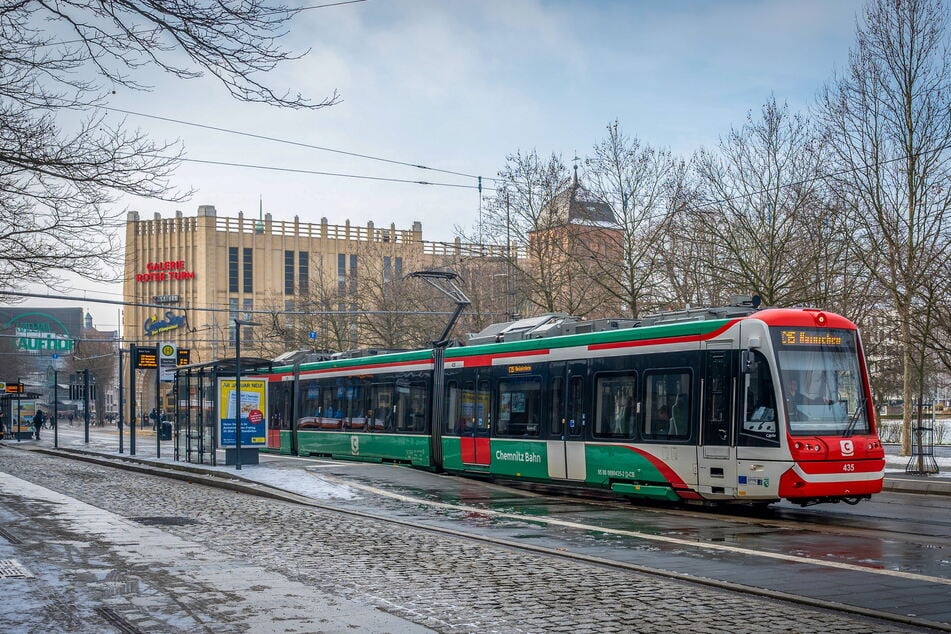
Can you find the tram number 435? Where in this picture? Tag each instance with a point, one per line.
(848, 466)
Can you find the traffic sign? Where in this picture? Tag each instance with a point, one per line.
(168, 359)
(312, 334)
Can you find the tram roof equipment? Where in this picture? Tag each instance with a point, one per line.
(557, 324)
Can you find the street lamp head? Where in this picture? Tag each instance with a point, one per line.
(245, 322)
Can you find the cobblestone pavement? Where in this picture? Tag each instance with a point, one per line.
(306, 570)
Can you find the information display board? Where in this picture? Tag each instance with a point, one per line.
(145, 358)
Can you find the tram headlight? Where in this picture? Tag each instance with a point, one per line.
(811, 448)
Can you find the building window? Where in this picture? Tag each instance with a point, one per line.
(341, 273)
(248, 270)
(392, 268)
(246, 331)
(232, 315)
(232, 269)
(353, 274)
(303, 271)
(288, 272)
(288, 309)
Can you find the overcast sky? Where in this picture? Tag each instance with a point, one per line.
(458, 85)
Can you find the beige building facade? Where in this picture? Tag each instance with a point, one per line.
(188, 277)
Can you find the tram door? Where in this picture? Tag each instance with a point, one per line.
(568, 421)
(475, 422)
(280, 400)
(716, 454)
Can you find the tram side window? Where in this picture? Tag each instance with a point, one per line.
(310, 399)
(520, 407)
(380, 415)
(616, 406)
(468, 407)
(453, 418)
(279, 395)
(666, 406)
(329, 415)
(577, 420)
(411, 406)
(483, 414)
(339, 406)
(462, 404)
(759, 416)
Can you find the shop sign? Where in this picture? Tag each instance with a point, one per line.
(153, 325)
(166, 270)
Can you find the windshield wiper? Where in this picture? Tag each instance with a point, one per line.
(854, 418)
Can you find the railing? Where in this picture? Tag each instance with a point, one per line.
(160, 226)
(322, 230)
(327, 231)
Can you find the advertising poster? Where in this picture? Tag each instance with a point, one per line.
(25, 409)
(252, 412)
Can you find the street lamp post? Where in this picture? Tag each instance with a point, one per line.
(237, 388)
(120, 397)
(19, 409)
(55, 409)
(85, 374)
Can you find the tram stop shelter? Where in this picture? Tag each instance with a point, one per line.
(16, 414)
(197, 410)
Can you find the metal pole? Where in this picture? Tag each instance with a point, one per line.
(132, 362)
(237, 395)
(120, 400)
(18, 409)
(509, 282)
(158, 404)
(55, 409)
(86, 404)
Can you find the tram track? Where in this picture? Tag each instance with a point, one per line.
(832, 524)
(233, 483)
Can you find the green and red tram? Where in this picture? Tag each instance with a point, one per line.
(721, 405)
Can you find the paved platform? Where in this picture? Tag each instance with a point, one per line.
(301, 568)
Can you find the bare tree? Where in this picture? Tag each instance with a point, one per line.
(888, 118)
(686, 254)
(529, 217)
(759, 203)
(639, 183)
(400, 312)
(97, 353)
(61, 60)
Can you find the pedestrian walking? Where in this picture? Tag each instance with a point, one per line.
(38, 419)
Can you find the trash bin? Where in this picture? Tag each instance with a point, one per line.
(165, 431)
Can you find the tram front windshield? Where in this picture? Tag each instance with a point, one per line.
(821, 381)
